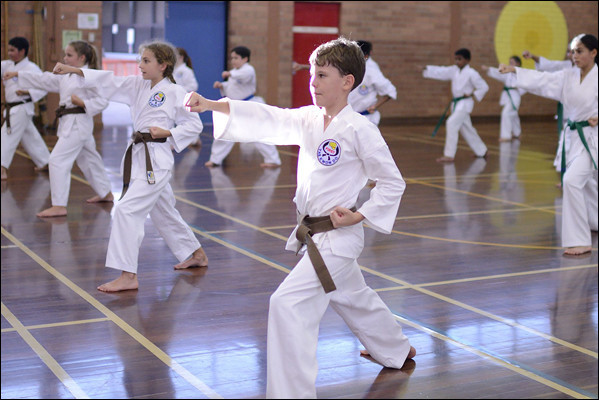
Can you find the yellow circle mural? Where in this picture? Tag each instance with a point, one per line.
(536, 26)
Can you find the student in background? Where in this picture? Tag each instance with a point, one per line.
(466, 84)
(509, 126)
(74, 117)
(240, 84)
(17, 126)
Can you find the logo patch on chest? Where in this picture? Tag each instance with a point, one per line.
(328, 152)
(157, 99)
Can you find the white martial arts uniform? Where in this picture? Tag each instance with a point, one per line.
(365, 95)
(161, 106)
(546, 65)
(22, 128)
(241, 85)
(333, 166)
(579, 205)
(510, 120)
(185, 77)
(466, 81)
(75, 134)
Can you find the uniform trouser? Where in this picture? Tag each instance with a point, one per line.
(297, 307)
(510, 123)
(459, 122)
(222, 148)
(579, 204)
(129, 218)
(83, 150)
(23, 130)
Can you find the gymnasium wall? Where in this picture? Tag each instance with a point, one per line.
(405, 34)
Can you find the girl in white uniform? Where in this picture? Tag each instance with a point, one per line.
(22, 130)
(375, 89)
(509, 126)
(156, 105)
(75, 131)
(339, 150)
(465, 84)
(240, 84)
(185, 77)
(576, 88)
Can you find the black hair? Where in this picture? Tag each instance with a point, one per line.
(590, 42)
(464, 53)
(365, 46)
(517, 59)
(243, 52)
(20, 43)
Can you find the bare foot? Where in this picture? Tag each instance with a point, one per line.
(270, 165)
(54, 211)
(197, 259)
(578, 250)
(109, 198)
(210, 164)
(444, 159)
(127, 281)
(4, 174)
(42, 168)
(483, 156)
(505, 140)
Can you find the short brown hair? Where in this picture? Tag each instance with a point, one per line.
(343, 54)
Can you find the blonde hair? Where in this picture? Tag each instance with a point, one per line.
(165, 53)
(343, 54)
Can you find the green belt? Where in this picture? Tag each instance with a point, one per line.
(507, 90)
(560, 117)
(453, 101)
(578, 126)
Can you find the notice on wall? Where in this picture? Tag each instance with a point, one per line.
(88, 21)
(69, 36)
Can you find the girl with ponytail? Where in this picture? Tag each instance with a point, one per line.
(161, 123)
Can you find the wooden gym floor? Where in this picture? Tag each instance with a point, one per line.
(473, 271)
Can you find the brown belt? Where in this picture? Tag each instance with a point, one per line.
(307, 227)
(139, 137)
(7, 107)
(63, 110)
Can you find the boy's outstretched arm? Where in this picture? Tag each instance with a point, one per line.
(195, 102)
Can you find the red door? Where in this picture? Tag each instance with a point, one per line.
(313, 24)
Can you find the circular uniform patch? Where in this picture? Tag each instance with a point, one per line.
(328, 152)
(363, 90)
(157, 99)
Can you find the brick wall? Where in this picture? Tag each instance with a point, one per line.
(405, 35)
(17, 20)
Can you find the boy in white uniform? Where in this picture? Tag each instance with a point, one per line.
(375, 89)
(466, 83)
(160, 121)
(509, 126)
(339, 150)
(20, 110)
(240, 84)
